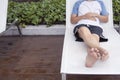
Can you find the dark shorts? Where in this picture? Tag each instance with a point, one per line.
(93, 29)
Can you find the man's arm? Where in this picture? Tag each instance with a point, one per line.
(102, 18)
(75, 18)
(90, 16)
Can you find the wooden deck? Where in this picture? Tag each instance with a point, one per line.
(35, 58)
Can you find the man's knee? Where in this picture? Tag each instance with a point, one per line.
(96, 37)
(84, 32)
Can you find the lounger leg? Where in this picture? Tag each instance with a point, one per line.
(63, 76)
(19, 30)
(119, 28)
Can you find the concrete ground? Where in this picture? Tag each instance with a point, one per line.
(35, 58)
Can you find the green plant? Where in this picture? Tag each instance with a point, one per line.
(54, 11)
(34, 13)
(116, 11)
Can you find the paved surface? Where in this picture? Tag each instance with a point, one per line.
(35, 58)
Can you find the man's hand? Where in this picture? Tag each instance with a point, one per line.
(90, 16)
(75, 18)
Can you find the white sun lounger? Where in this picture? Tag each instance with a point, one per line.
(74, 53)
(3, 14)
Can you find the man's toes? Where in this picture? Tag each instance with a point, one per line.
(106, 52)
(95, 55)
(98, 55)
(92, 49)
(105, 57)
(103, 51)
(96, 50)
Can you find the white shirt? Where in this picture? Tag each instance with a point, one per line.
(89, 6)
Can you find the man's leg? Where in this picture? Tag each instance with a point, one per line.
(102, 51)
(92, 41)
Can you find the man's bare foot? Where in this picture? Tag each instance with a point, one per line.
(92, 56)
(104, 54)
